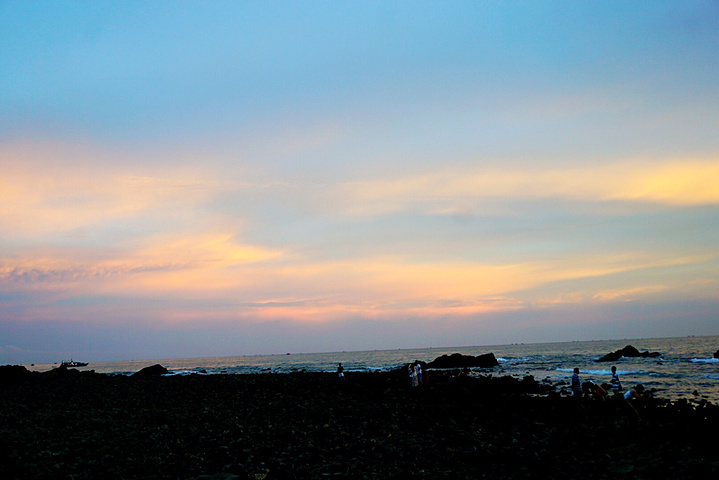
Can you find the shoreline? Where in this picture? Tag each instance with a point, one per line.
(84, 425)
(673, 376)
(484, 347)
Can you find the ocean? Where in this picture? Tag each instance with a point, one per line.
(686, 364)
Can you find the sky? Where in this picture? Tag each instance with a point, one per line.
(185, 179)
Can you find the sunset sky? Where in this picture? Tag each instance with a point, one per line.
(223, 178)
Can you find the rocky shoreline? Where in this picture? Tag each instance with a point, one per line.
(81, 425)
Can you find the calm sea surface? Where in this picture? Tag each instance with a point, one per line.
(686, 365)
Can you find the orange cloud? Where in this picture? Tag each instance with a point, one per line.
(384, 287)
(193, 263)
(680, 183)
(246, 281)
(684, 184)
(267, 282)
(43, 190)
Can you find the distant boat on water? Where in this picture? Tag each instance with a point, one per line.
(73, 363)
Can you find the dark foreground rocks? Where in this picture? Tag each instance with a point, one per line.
(716, 354)
(312, 426)
(13, 374)
(628, 351)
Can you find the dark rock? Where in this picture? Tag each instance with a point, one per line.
(628, 351)
(64, 372)
(457, 360)
(61, 371)
(220, 476)
(13, 374)
(151, 371)
(278, 426)
(611, 357)
(716, 354)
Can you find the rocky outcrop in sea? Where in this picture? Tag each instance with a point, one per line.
(456, 360)
(151, 371)
(628, 351)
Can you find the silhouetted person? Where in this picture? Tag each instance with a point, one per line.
(341, 372)
(616, 384)
(597, 392)
(631, 397)
(576, 385)
(413, 374)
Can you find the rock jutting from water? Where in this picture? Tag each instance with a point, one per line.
(456, 360)
(151, 371)
(628, 351)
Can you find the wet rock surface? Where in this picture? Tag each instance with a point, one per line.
(369, 426)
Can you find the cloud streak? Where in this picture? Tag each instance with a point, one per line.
(667, 183)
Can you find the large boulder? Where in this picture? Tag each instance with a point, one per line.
(63, 372)
(151, 371)
(716, 354)
(628, 351)
(457, 360)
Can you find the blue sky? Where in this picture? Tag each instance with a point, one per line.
(218, 178)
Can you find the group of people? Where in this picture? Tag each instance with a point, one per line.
(415, 373)
(599, 392)
(592, 389)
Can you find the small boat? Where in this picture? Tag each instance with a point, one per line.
(73, 363)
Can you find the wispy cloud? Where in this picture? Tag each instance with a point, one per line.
(670, 183)
(50, 190)
(192, 262)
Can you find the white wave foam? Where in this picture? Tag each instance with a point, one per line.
(186, 372)
(603, 372)
(513, 359)
(704, 360)
(599, 372)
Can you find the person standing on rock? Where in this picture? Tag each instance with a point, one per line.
(341, 372)
(413, 374)
(576, 384)
(616, 384)
(419, 373)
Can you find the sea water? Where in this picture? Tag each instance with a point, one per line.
(686, 364)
